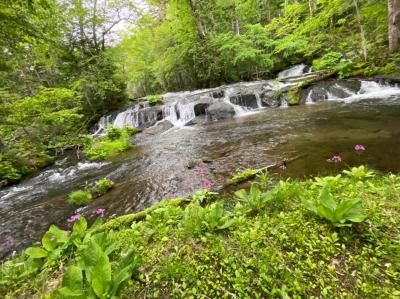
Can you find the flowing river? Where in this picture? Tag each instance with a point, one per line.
(162, 164)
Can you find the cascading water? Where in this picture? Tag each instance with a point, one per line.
(158, 165)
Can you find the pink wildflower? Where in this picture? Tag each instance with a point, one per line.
(335, 159)
(73, 218)
(100, 212)
(207, 185)
(359, 148)
(10, 241)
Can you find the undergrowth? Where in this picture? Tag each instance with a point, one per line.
(267, 242)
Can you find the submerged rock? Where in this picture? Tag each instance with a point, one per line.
(220, 110)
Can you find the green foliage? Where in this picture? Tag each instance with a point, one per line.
(339, 213)
(115, 141)
(187, 248)
(242, 176)
(79, 197)
(102, 281)
(199, 222)
(155, 100)
(359, 173)
(103, 185)
(255, 200)
(328, 61)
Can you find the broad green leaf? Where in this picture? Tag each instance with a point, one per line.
(70, 293)
(101, 276)
(327, 200)
(79, 227)
(310, 205)
(36, 252)
(73, 279)
(242, 194)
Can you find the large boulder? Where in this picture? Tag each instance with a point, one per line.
(220, 110)
(270, 99)
(245, 100)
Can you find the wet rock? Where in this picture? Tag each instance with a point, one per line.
(220, 110)
(334, 88)
(159, 128)
(200, 109)
(245, 100)
(218, 94)
(270, 99)
(192, 163)
(198, 120)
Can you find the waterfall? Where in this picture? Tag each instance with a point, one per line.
(309, 98)
(259, 104)
(296, 70)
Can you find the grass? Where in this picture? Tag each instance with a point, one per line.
(194, 248)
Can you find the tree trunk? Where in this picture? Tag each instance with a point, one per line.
(394, 25)
(362, 32)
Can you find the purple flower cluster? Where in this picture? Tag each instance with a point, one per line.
(283, 167)
(170, 195)
(100, 212)
(207, 185)
(9, 241)
(199, 172)
(335, 159)
(73, 218)
(359, 148)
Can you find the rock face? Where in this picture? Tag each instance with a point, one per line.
(220, 110)
(270, 99)
(159, 128)
(245, 100)
(333, 88)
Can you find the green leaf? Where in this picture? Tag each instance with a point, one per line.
(73, 279)
(69, 293)
(242, 194)
(79, 227)
(101, 276)
(327, 200)
(53, 237)
(36, 252)
(309, 204)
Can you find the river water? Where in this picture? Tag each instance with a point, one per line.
(158, 165)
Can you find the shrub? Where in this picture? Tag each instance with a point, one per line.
(102, 186)
(155, 100)
(101, 149)
(79, 197)
(113, 133)
(327, 61)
